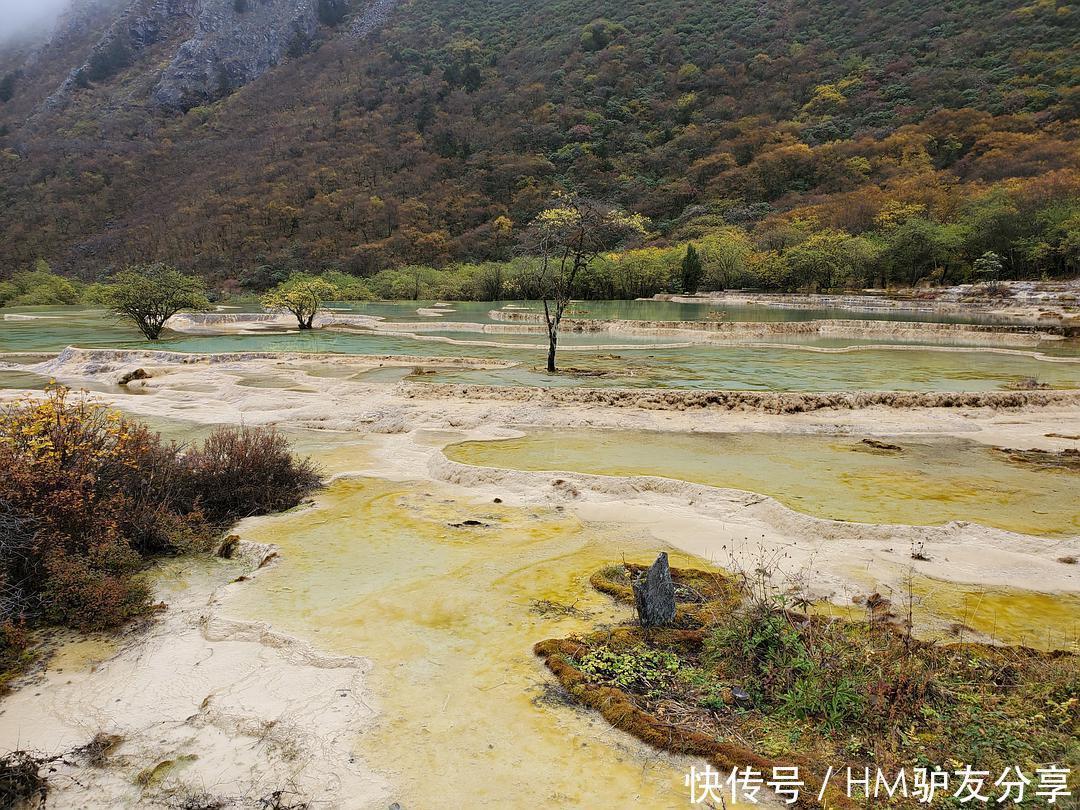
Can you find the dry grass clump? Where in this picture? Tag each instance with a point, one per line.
(21, 782)
(24, 774)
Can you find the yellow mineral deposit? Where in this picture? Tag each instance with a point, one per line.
(1006, 615)
(446, 597)
(913, 481)
(423, 571)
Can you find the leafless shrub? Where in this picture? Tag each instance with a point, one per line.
(242, 471)
(280, 800)
(96, 752)
(16, 562)
(21, 782)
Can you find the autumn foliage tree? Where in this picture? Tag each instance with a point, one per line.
(565, 238)
(88, 482)
(88, 496)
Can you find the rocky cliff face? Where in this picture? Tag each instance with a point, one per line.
(236, 41)
(212, 47)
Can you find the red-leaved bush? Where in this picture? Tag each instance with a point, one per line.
(241, 471)
(87, 495)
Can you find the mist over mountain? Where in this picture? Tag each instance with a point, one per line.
(222, 135)
(22, 19)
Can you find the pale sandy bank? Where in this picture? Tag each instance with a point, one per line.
(199, 704)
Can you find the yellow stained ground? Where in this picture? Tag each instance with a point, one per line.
(447, 615)
(929, 481)
(1010, 616)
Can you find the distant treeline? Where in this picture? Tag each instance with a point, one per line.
(1018, 229)
(1026, 228)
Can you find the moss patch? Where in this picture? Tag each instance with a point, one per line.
(750, 682)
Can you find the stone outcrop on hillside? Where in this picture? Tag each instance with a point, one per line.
(372, 19)
(235, 42)
(212, 47)
(139, 25)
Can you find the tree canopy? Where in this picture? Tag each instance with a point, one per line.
(38, 286)
(301, 294)
(691, 271)
(150, 294)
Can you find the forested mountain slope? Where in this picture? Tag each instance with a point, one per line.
(226, 134)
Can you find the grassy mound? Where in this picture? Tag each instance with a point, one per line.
(747, 681)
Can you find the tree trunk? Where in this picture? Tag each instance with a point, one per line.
(553, 333)
(654, 597)
(150, 329)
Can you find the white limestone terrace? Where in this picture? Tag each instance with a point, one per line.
(265, 709)
(1046, 303)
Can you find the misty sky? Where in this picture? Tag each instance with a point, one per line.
(19, 16)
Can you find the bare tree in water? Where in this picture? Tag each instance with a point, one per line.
(565, 238)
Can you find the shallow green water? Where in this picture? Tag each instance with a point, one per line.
(54, 328)
(697, 367)
(477, 311)
(51, 328)
(22, 380)
(703, 367)
(447, 615)
(928, 482)
(586, 359)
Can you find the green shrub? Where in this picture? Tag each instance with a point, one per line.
(148, 295)
(638, 668)
(38, 287)
(782, 670)
(349, 288)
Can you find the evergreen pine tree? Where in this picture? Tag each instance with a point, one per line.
(692, 271)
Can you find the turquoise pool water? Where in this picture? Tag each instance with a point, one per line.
(586, 359)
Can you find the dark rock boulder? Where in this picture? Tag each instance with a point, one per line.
(874, 444)
(654, 595)
(741, 698)
(137, 374)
